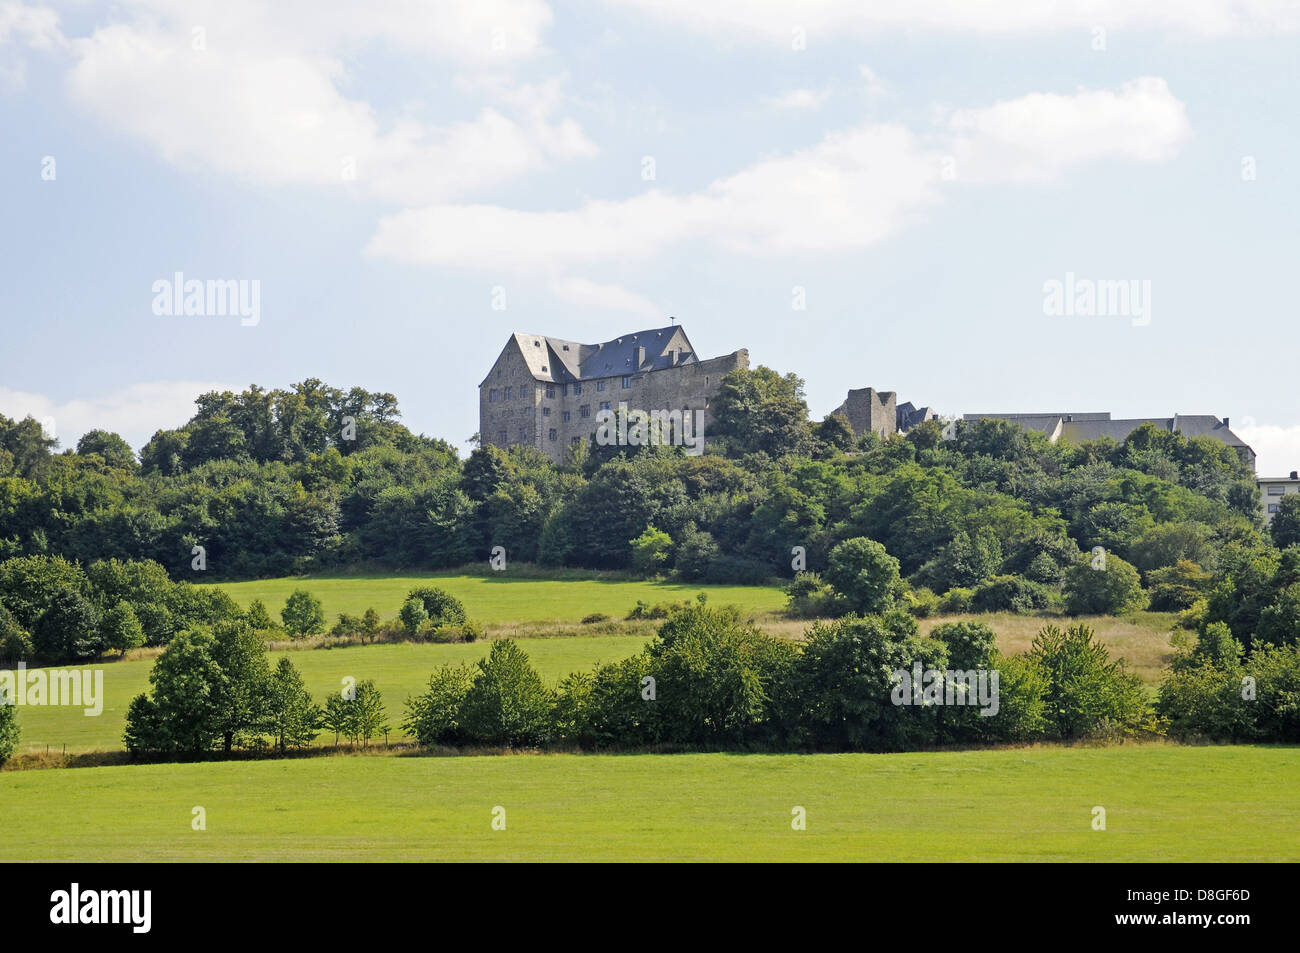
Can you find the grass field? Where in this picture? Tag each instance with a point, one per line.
(498, 597)
(398, 670)
(1162, 802)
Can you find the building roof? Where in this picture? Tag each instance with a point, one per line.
(556, 360)
(1079, 428)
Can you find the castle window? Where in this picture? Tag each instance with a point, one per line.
(546, 411)
(577, 390)
(584, 410)
(564, 390)
(510, 393)
(600, 385)
(551, 433)
(501, 437)
(627, 382)
(604, 405)
(522, 435)
(492, 395)
(550, 390)
(566, 416)
(573, 442)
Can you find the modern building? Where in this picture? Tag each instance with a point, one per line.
(547, 393)
(1272, 489)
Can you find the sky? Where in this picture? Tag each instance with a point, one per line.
(876, 194)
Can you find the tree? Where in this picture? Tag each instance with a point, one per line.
(370, 625)
(1285, 525)
(68, 630)
(864, 574)
(9, 731)
(15, 641)
(184, 713)
(507, 704)
(259, 618)
(1110, 588)
(302, 614)
(241, 695)
(292, 717)
(121, 629)
(115, 451)
(761, 411)
(650, 550)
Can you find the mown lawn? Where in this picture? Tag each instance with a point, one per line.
(1162, 803)
(498, 597)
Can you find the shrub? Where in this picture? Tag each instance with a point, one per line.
(15, 643)
(1177, 587)
(9, 731)
(809, 597)
(1112, 590)
(650, 550)
(450, 632)
(921, 603)
(433, 717)
(1086, 691)
(439, 605)
(413, 615)
(121, 629)
(866, 575)
(1009, 594)
(594, 617)
(956, 600)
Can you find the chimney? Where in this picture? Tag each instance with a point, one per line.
(1225, 421)
(1295, 475)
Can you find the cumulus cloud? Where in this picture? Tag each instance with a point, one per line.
(1276, 446)
(134, 412)
(263, 91)
(853, 188)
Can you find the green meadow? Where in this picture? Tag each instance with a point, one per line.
(1162, 803)
(494, 598)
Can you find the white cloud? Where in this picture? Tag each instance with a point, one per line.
(1035, 138)
(260, 91)
(798, 99)
(134, 412)
(824, 20)
(848, 191)
(603, 297)
(1277, 447)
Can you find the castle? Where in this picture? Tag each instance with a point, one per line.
(548, 393)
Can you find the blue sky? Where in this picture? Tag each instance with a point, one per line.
(920, 170)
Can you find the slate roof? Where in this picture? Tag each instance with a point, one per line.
(555, 360)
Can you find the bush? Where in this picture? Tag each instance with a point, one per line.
(9, 731)
(507, 704)
(921, 603)
(864, 574)
(449, 632)
(956, 601)
(414, 616)
(121, 629)
(15, 643)
(1177, 587)
(439, 605)
(1112, 590)
(433, 717)
(1086, 691)
(808, 597)
(594, 617)
(650, 551)
(1010, 594)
